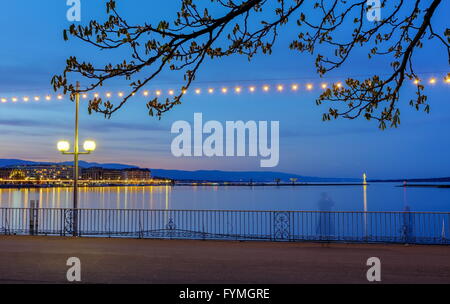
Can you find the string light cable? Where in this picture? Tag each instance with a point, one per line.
(210, 88)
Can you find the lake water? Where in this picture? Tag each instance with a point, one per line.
(374, 197)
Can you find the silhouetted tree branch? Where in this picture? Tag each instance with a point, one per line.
(245, 28)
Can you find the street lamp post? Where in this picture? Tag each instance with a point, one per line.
(64, 147)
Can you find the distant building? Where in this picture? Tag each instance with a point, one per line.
(136, 174)
(62, 172)
(45, 172)
(93, 173)
(112, 174)
(5, 173)
(98, 173)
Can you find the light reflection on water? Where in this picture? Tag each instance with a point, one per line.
(374, 197)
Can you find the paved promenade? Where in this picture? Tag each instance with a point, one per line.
(43, 260)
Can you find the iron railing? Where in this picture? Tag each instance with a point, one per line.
(388, 227)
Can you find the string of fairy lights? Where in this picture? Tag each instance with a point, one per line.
(216, 89)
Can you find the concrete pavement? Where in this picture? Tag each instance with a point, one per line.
(43, 260)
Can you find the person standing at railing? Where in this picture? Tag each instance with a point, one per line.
(325, 226)
(408, 225)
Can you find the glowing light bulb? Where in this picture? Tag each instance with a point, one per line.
(108, 95)
(96, 95)
(171, 92)
(416, 81)
(158, 93)
(36, 98)
(145, 93)
(26, 99)
(432, 80)
(184, 91)
(224, 90)
(238, 89)
(339, 85)
(210, 90)
(197, 91)
(84, 96)
(447, 79)
(309, 87)
(14, 99)
(4, 100)
(63, 146)
(266, 88)
(252, 89)
(120, 94)
(59, 97)
(280, 88)
(324, 86)
(48, 97)
(294, 87)
(89, 145)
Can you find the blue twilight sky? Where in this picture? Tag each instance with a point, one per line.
(32, 50)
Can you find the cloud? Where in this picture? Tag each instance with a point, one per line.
(94, 126)
(29, 123)
(108, 125)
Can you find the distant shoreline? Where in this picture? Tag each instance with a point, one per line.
(193, 184)
(219, 184)
(424, 186)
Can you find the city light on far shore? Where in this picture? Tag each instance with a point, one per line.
(309, 86)
(294, 87)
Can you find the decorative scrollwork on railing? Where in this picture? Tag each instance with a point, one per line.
(171, 224)
(282, 225)
(68, 221)
(5, 225)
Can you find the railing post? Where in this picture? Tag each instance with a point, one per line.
(62, 222)
(34, 217)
